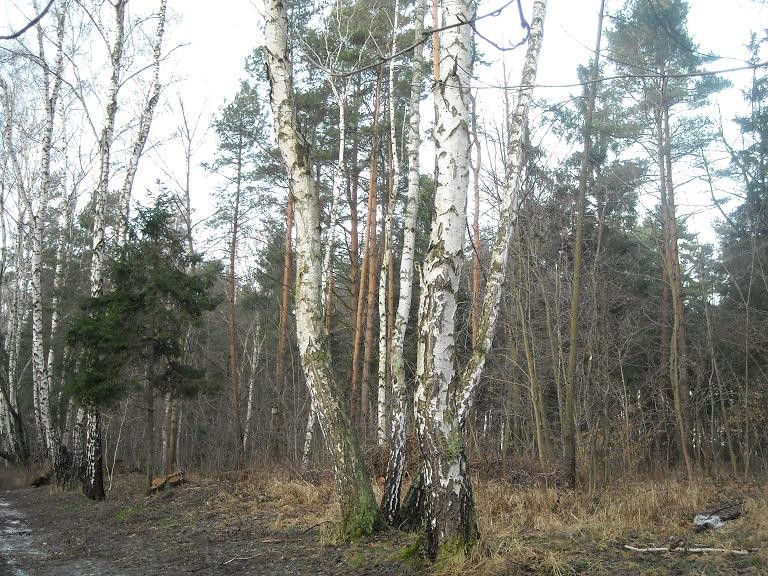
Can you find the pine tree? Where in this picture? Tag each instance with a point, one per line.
(141, 320)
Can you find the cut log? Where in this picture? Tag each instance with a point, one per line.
(161, 482)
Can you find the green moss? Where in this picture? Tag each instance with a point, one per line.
(455, 443)
(453, 552)
(365, 518)
(125, 513)
(413, 550)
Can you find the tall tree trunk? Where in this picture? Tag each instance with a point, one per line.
(397, 426)
(14, 425)
(386, 259)
(358, 505)
(353, 182)
(541, 425)
(149, 420)
(258, 341)
(145, 121)
(498, 266)
(237, 426)
(276, 417)
(370, 266)
(569, 430)
(450, 515)
(678, 361)
(93, 480)
(476, 270)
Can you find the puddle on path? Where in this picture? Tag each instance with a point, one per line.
(15, 540)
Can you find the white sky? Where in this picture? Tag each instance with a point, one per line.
(221, 34)
(214, 38)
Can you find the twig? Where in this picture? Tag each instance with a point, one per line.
(29, 25)
(233, 559)
(316, 526)
(684, 549)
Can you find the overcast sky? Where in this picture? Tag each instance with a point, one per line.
(214, 39)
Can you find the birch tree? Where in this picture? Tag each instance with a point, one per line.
(450, 515)
(359, 512)
(397, 426)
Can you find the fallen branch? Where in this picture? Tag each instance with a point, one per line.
(234, 559)
(684, 549)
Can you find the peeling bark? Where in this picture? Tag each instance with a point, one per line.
(450, 517)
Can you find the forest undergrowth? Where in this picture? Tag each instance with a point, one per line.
(529, 525)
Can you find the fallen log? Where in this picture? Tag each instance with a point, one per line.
(161, 482)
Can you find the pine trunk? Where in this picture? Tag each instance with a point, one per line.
(275, 424)
(678, 356)
(234, 372)
(371, 267)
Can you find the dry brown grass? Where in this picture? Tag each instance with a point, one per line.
(549, 530)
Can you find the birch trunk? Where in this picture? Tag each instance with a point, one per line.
(258, 341)
(93, 480)
(52, 77)
(450, 516)
(17, 300)
(145, 121)
(386, 261)
(358, 506)
(398, 425)
(498, 266)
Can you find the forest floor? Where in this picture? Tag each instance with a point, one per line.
(256, 524)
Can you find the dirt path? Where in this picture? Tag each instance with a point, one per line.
(193, 529)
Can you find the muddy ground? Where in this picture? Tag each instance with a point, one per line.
(201, 528)
(281, 525)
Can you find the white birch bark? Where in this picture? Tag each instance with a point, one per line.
(397, 425)
(51, 75)
(258, 343)
(18, 307)
(358, 506)
(386, 261)
(93, 482)
(450, 518)
(145, 121)
(498, 267)
(336, 191)
(308, 435)
(22, 273)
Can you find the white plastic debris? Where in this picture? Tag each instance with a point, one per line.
(708, 521)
